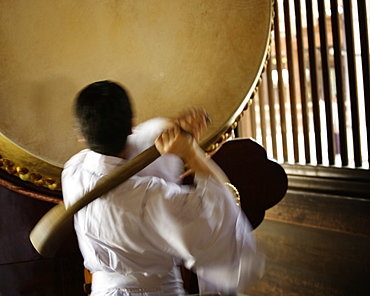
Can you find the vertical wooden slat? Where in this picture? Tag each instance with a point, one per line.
(364, 40)
(351, 63)
(339, 82)
(272, 109)
(313, 76)
(297, 6)
(326, 80)
(281, 96)
(262, 103)
(292, 79)
(253, 121)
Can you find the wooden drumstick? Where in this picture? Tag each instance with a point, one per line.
(54, 227)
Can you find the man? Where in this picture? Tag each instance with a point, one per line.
(133, 238)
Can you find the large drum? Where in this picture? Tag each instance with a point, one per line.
(170, 55)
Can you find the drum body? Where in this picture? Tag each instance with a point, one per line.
(170, 55)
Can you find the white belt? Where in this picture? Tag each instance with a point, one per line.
(138, 290)
(134, 282)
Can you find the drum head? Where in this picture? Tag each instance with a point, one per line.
(170, 55)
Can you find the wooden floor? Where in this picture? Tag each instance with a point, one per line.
(315, 244)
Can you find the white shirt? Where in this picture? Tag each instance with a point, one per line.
(143, 228)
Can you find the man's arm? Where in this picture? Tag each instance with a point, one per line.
(175, 141)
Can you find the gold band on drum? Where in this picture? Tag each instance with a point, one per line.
(236, 193)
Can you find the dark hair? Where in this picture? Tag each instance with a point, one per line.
(104, 115)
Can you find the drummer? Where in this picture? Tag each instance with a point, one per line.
(133, 237)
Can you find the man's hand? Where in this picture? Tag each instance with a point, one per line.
(193, 121)
(183, 133)
(175, 141)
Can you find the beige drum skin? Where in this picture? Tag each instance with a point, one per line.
(169, 54)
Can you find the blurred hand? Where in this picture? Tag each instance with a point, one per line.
(193, 121)
(175, 141)
(181, 139)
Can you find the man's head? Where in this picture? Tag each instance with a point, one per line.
(104, 116)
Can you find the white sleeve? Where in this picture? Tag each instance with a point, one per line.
(210, 233)
(239, 272)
